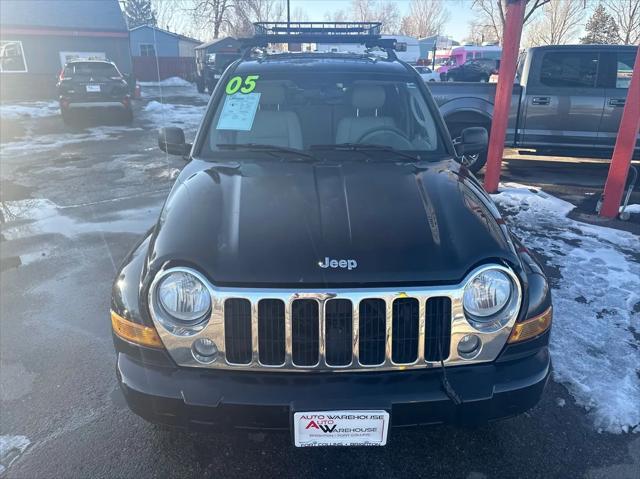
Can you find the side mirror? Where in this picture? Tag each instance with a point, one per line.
(171, 140)
(473, 140)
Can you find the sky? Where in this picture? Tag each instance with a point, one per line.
(457, 27)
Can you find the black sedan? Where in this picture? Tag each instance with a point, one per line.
(91, 84)
(478, 70)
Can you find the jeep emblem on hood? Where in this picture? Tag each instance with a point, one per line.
(338, 263)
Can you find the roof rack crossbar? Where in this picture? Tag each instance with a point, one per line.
(365, 33)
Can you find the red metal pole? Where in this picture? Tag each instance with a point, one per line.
(504, 89)
(625, 143)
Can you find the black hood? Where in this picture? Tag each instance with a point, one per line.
(273, 223)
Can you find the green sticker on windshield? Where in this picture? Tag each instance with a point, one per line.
(237, 84)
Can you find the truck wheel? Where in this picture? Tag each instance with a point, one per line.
(474, 163)
(128, 116)
(66, 117)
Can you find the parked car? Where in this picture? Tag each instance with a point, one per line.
(478, 70)
(212, 59)
(324, 265)
(459, 55)
(427, 74)
(93, 84)
(568, 99)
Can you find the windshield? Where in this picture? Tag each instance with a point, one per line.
(323, 111)
(91, 69)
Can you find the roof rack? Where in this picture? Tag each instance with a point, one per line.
(365, 33)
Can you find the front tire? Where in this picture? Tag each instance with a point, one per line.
(474, 163)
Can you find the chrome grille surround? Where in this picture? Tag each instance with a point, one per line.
(179, 347)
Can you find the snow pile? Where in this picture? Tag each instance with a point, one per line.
(10, 449)
(186, 117)
(632, 209)
(595, 342)
(172, 81)
(34, 109)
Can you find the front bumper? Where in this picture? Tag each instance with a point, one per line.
(97, 104)
(198, 399)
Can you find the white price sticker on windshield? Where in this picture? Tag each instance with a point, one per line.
(238, 112)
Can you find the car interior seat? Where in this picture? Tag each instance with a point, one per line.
(367, 100)
(272, 124)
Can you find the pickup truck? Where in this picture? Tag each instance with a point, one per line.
(567, 99)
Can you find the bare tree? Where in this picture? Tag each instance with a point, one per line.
(173, 15)
(337, 16)
(627, 16)
(212, 14)
(493, 13)
(388, 13)
(426, 18)
(385, 11)
(246, 12)
(558, 24)
(363, 10)
(299, 14)
(480, 32)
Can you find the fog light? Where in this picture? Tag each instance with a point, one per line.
(469, 346)
(205, 350)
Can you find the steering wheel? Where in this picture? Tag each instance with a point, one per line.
(387, 136)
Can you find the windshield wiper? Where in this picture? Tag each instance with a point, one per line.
(363, 148)
(271, 149)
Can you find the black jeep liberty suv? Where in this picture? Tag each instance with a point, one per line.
(324, 264)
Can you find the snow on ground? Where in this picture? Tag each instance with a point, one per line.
(632, 209)
(53, 141)
(26, 218)
(172, 81)
(186, 117)
(595, 341)
(10, 449)
(32, 109)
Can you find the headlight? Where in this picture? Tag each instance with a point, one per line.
(490, 299)
(181, 302)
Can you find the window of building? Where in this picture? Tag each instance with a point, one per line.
(12, 57)
(147, 50)
(569, 69)
(624, 69)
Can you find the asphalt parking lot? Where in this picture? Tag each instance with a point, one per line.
(75, 200)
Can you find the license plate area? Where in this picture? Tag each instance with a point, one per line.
(93, 88)
(340, 428)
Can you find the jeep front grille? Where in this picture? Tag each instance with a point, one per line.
(271, 335)
(339, 330)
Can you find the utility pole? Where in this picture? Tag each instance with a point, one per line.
(288, 14)
(511, 44)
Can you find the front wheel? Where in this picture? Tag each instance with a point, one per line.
(200, 85)
(474, 163)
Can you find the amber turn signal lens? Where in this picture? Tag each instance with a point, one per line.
(135, 333)
(531, 327)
